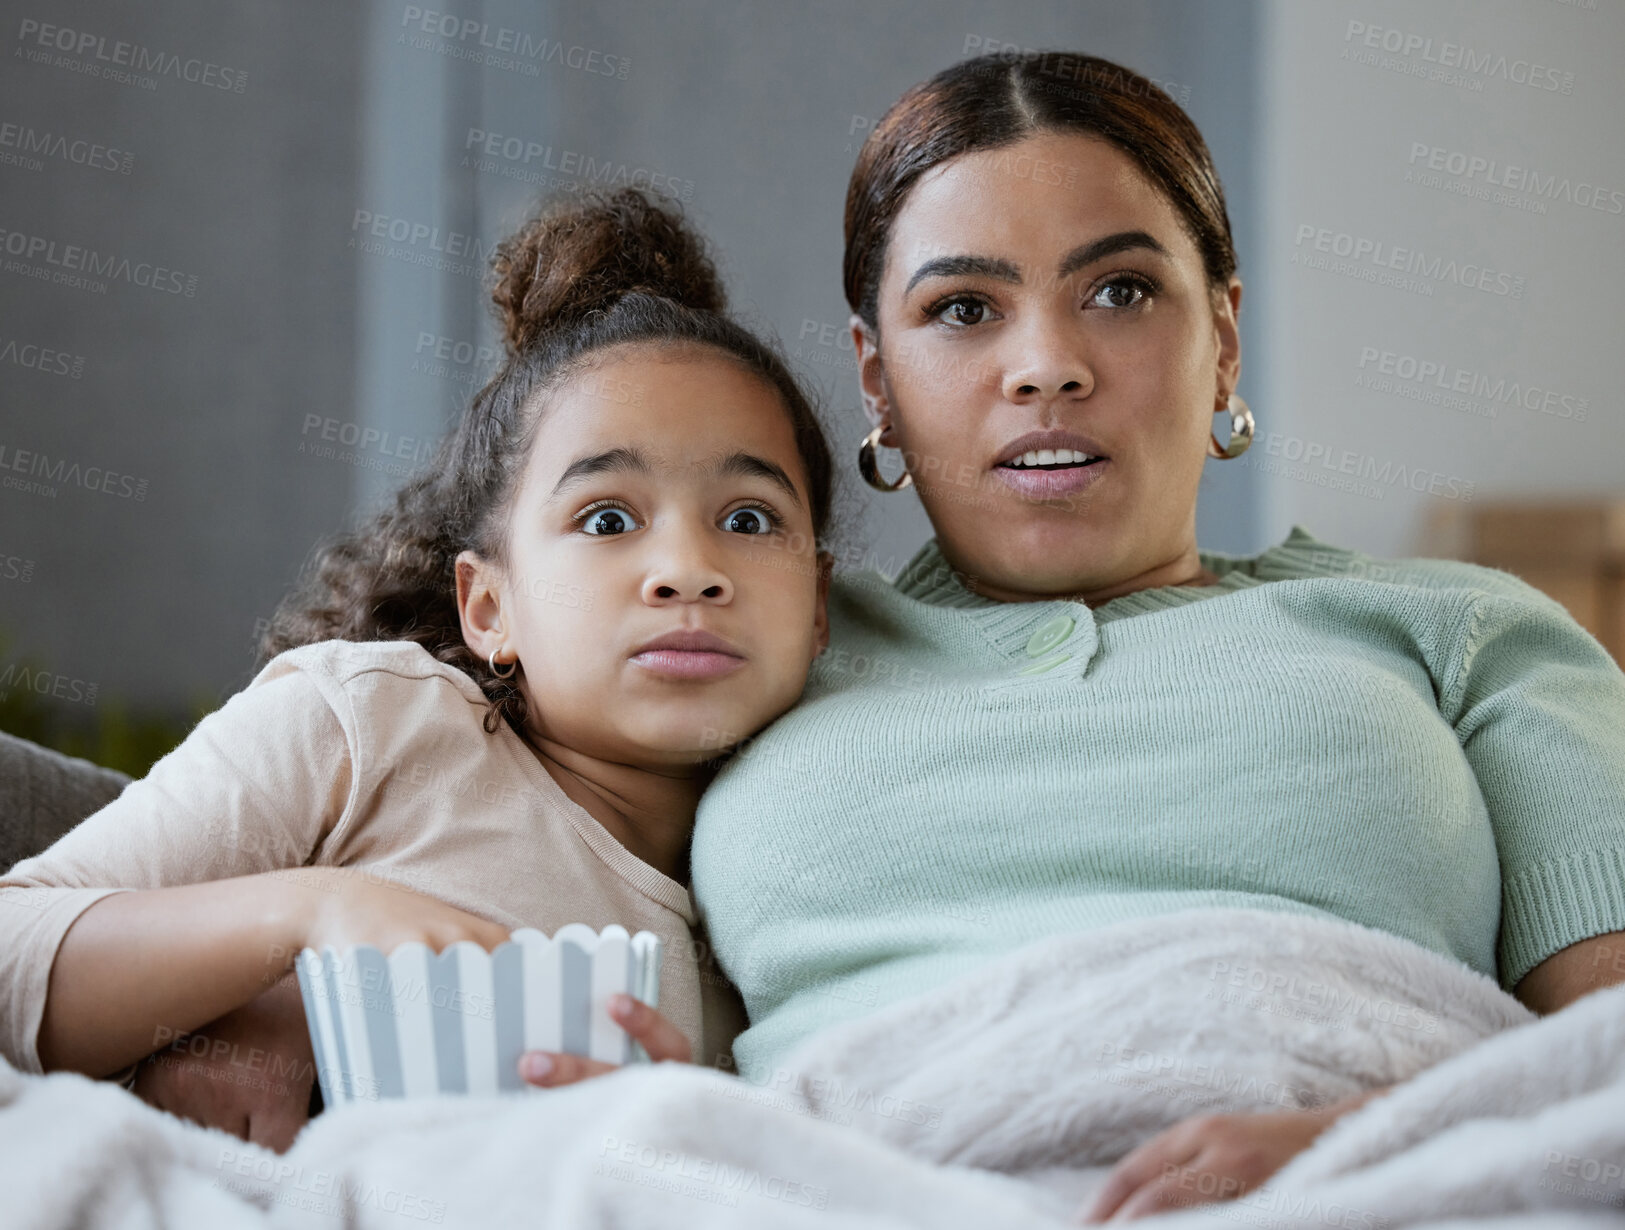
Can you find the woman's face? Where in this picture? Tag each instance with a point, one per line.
(1048, 287)
(663, 494)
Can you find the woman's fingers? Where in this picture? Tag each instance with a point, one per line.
(1139, 1172)
(1213, 1158)
(660, 1038)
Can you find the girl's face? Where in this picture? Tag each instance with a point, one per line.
(1048, 287)
(663, 497)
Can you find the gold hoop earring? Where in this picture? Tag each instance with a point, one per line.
(871, 471)
(492, 663)
(1241, 431)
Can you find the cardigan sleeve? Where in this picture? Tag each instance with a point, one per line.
(254, 787)
(1539, 708)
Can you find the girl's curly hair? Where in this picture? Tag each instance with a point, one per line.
(594, 272)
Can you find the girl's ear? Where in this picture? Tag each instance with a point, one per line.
(826, 565)
(871, 376)
(479, 604)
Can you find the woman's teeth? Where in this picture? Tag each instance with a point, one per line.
(1051, 457)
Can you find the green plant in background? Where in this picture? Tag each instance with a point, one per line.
(68, 716)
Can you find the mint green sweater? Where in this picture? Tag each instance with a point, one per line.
(1430, 748)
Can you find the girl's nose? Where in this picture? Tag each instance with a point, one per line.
(684, 572)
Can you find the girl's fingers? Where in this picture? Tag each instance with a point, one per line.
(663, 1041)
(550, 1069)
(660, 1038)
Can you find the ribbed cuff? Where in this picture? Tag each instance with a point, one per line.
(1554, 905)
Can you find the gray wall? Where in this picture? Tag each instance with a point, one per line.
(194, 400)
(351, 118)
(1393, 402)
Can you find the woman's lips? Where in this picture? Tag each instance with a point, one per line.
(687, 663)
(1038, 484)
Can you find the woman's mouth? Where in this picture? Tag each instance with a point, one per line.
(1041, 474)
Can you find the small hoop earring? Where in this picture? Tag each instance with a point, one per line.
(871, 471)
(1241, 431)
(492, 663)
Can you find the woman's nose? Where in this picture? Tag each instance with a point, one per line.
(1046, 363)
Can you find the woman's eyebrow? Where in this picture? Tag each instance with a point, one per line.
(601, 463)
(749, 465)
(961, 266)
(1110, 245)
(1009, 271)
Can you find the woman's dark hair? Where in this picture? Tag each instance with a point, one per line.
(595, 272)
(998, 99)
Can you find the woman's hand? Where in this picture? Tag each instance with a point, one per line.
(1212, 1158)
(248, 1073)
(663, 1041)
(356, 908)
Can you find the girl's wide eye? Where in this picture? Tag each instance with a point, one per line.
(608, 521)
(748, 521)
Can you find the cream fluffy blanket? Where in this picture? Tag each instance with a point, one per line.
(996, 1101)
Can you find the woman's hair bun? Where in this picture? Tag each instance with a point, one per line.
(584, 253)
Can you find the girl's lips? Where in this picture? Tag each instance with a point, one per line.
(687, 663)
(1035, 484)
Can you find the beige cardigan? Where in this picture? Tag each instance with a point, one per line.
(368, 755)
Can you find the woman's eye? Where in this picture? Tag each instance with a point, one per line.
(1122, 293)
(608, 521)
(962, 312)
(748, 521)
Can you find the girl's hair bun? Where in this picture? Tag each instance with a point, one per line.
(583, 254)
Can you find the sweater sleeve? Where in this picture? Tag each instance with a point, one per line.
(254, 787)
(1539, 708)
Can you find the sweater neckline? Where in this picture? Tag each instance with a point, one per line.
(647, 879)
(929, 578)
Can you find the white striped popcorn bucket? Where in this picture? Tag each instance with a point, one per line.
(416, 1023)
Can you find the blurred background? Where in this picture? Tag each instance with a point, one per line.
(243, 247)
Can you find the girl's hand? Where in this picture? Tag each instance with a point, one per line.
(663, 1041)
(352, 908)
